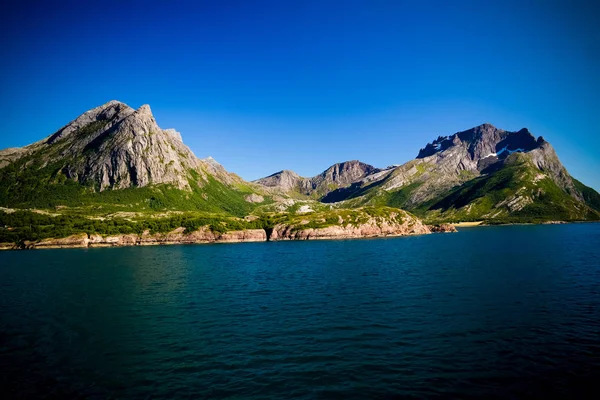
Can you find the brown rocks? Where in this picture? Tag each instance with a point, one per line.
(254, 198)
(371, 228)
(74, 241)
(442, 228)
(177, 236)
(374, 227)
(8, 246)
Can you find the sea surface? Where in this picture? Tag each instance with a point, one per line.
(488, 312)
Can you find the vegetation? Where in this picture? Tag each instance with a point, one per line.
(47, 187)
(511, 194)
(27, 225)
(18, 226)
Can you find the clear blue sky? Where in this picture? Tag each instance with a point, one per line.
(264, 86)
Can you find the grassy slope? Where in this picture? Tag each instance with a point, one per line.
(592, 198)
(27, 183)
(484, 198)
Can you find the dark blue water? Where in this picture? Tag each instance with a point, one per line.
(497, 312)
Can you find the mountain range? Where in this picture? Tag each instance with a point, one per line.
(483, 173)
(116, 159)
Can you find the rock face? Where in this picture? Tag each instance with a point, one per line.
(114, 146)
(286, 181)
(284, 232)
(336, 176)
(398, 223)
(7, 156)
(371, 228)
(178, 236)
(254, 198)
(442, 228)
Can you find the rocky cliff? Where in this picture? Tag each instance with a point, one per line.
(370, 228)
(178, 236)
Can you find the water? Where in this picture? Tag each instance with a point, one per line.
(495, 312)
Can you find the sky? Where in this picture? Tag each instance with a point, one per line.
(263, 86)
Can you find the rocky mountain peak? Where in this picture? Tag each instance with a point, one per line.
(113, 146)
(144, 109)
(337, 176)
(113, 110)
(175, 135)
(483, 141)
(345, 173)
(285, 180)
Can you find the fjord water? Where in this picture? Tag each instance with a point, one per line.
(494, 312)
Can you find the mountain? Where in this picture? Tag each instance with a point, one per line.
(116, 159)
(106, 153)
(337, 176)
(483, 173)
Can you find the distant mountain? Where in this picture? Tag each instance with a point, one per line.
(483, 173)
(114, 147)
(337, 176)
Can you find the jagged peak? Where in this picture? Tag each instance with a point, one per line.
(106, 111)
(350, 162)
(144, 109)
(348, 165)
(112, 103)
(483, 140)
(286, 172)
(176, 135)
(210, 160)
(485, 125)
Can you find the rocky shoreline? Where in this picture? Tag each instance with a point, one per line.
(205, 236)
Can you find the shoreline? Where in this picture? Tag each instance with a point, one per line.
(176, 237)
(52, 244)
(205, 236)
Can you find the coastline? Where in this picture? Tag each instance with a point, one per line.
(205, 236)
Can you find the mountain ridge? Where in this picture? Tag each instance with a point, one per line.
(114, 152)
(337, 175)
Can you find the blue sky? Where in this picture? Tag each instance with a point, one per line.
(264, 86)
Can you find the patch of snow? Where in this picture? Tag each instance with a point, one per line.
(502, 151)
(505, 148)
